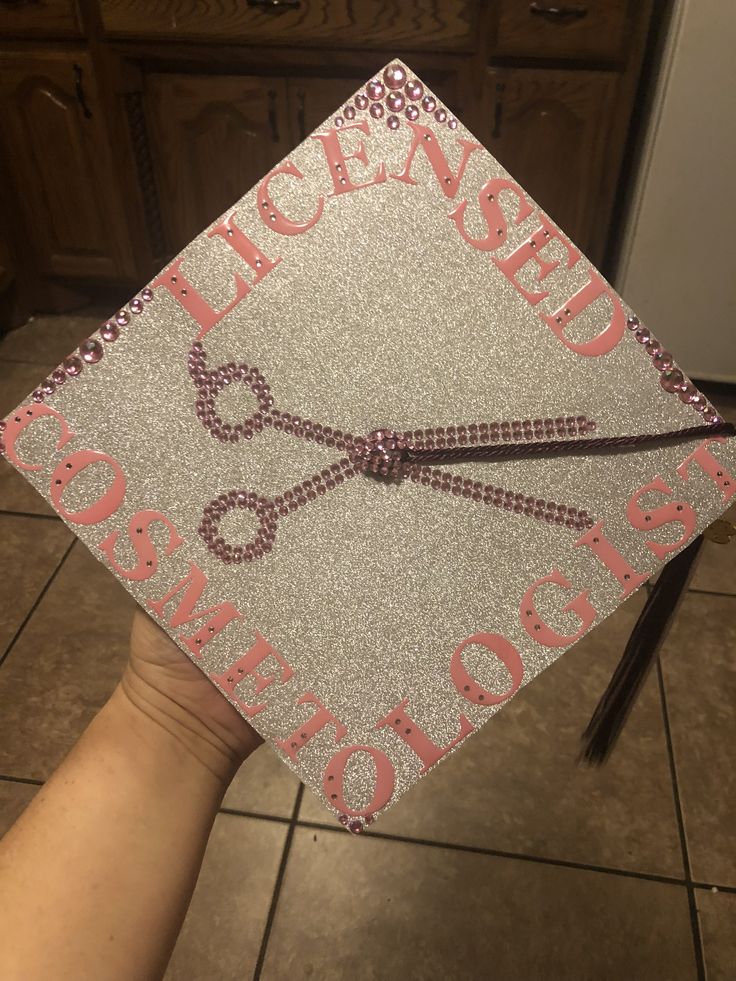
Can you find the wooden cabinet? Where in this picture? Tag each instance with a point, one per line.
(142, 121)
(58, 158)
(211, 139)
(440, 25)
(550, 130)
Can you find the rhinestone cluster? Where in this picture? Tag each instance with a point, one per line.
(671, 378)
(393, 95)
(92, 350)
(269, 511)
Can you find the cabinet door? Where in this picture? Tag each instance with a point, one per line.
(549, 129)
(57, 155)
(313, 100)
(212, 137)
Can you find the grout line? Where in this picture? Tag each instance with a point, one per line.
(278, 884)
(27, 780)
(712, 592)
(253, 814)
(711, 886)
(694, 921)
(499, 853)
(38, 599)
(28, 514)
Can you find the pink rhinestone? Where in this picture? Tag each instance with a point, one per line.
(452, 122)
(712, 417)
(91, 351)
(343, 819)
(440, 115)
(394, 77)
(48, 387)
(642, 335)
(429, 104)
(671, 379)
(38, 395)
(122, 317)
(375, 89)
(411, 112)
(59, 376)
(393, 122)
(414, 89)
(109, 331)
(395, 102)
(663, 361)
(339, 121)
(72, 366)
(687, 391)
(653, 347)
(136, 305)
(361, 101)
(632, 322)
(699, 402)
(349, 112)
(146, 295)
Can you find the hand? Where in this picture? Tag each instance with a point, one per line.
(162, 682)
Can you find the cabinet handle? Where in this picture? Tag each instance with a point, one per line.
(558, 14)
(79, 90)
(273, 121)
(301, 116)
(498, 111)
(275, 6)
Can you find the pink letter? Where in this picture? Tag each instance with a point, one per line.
(337, 160)
(494, 216)
(536, 627)
(468, 687)
(611, 334)
(612, 559)
(275, 219)
(24, 417)
(219, 616)
(106, 505)
(301, 736)
(528, 251)
(144, 548)
(677, 511)
(334, 776)
(425, 138)
(418, 740)
(246, 667)
(707, 462)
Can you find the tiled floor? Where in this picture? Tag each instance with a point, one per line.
(509, 863)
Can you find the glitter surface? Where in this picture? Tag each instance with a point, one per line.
(378, 316)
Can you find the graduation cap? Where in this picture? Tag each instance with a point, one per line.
(377, 447)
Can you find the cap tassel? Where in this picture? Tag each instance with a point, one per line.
(645, 641)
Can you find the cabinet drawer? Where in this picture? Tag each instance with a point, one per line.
(404, 24)
(42, 18)
(582, 29)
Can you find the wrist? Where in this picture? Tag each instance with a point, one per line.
(172, 732)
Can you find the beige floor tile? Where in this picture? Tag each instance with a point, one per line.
(717, 913)
(16, 494)
(716, 568)
(63, 667)
(14, 799)
(368, 910)
(222, 933)
(263, 785)
(516, 785)
(700, 681)
(30, 550)
(46, 340)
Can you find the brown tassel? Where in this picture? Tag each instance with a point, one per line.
(645, 641)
